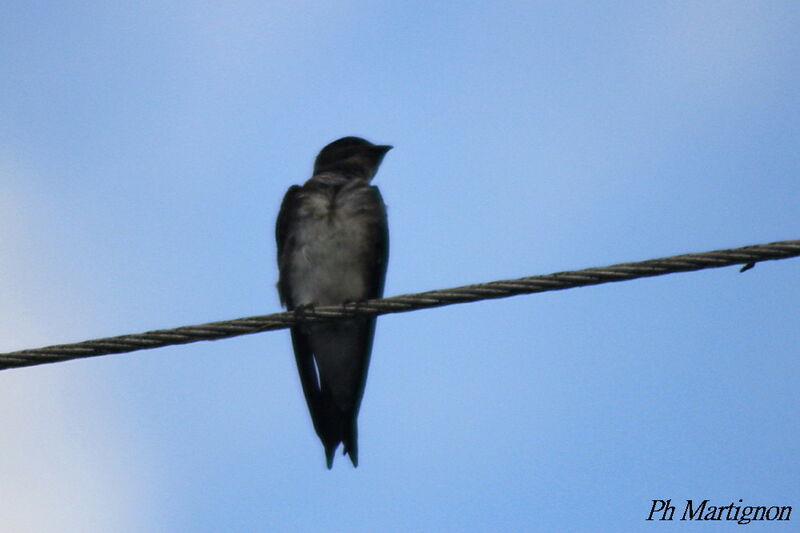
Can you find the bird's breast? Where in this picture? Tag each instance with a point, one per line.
(327, 261)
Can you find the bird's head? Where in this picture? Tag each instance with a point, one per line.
(351, 155)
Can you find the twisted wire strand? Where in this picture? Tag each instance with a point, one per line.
(748, 255)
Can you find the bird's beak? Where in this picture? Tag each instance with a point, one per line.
(383, 148)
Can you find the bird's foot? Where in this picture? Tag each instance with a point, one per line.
(352, 305)
(301, 310)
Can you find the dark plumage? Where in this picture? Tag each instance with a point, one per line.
(333, 246)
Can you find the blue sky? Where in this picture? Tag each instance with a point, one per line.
(144, 151)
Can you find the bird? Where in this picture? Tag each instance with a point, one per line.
(333, 247)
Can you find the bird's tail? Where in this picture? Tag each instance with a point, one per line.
(350, 441)
(330, 452)
(349, 446)
(335, 426)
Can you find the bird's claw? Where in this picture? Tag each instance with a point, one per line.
(301, 310)
(347, 304)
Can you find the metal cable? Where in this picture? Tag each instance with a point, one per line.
(748, 255)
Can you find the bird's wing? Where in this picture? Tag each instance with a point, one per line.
(301, 340)
(378, 257)
(380, 252)
(284, 239)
